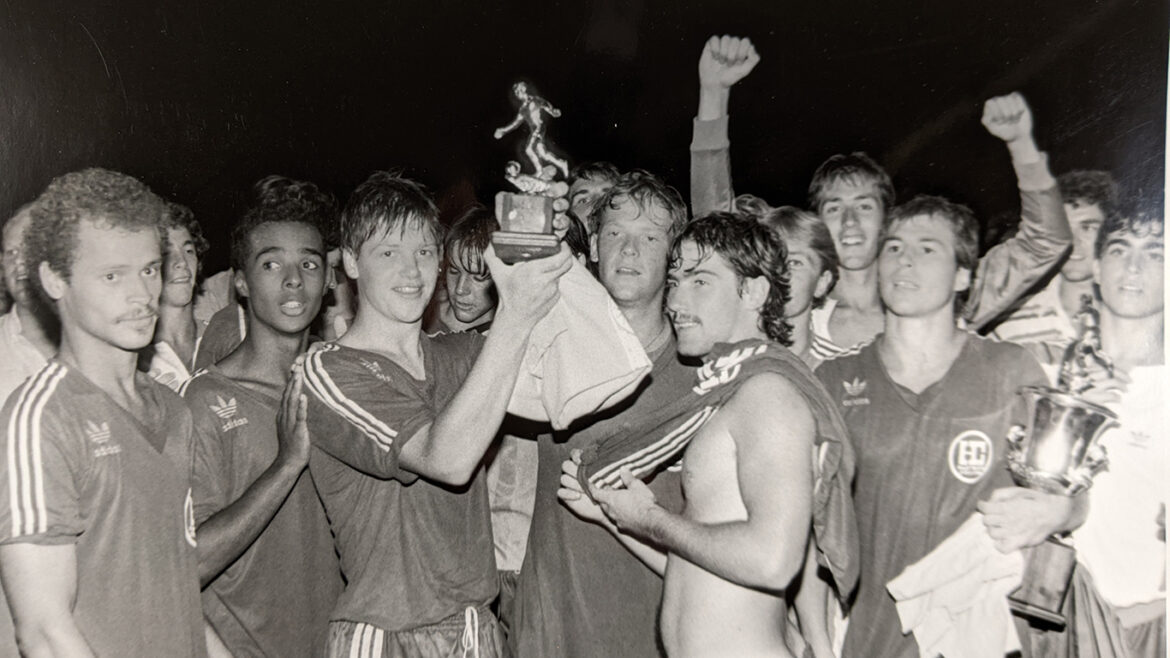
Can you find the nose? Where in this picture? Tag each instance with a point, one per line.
(410, 267)
(629, 246)
(292, 278)
(462, 284)
(1135, 261)
(848, 216)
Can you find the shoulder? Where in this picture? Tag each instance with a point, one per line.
(43, 390)
(848, 361)
(459, 343)
(768, 399)
(1003, 356)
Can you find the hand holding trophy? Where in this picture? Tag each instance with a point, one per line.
(1058, 452)
(526, 219)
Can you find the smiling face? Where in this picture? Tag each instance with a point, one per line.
(631, 249)
(807, 278)
(1131, 274)
(705, 302)
(179, 266)
(852, 209)
(1085, 222)
(917, 271)
(284, 276)
(396, 271)
(111, 295)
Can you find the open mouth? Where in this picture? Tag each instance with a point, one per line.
(292, 308)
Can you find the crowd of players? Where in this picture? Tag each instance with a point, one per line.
(341, 475)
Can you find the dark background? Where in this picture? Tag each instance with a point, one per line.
(200, 98)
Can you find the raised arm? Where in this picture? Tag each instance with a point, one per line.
(773, 431)
(500, 132)
(1010, 268)
(450, 448)
(725, 61)
(40, 583)
(225, 535)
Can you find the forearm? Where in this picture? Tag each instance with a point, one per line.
(735, 551)
(653, 558)
(812, 606)
(58, 638)
(452, 447)
(710, 167)
(224, 536)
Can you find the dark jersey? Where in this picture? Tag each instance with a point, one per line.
(923, 462)
(413, 552)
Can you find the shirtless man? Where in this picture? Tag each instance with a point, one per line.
(746, 475)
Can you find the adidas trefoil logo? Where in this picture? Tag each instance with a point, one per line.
(855, 387)
(99, 434)
(224, 410)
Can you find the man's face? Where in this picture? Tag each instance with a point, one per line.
(807, 278)
(396, 272)
(284, 277)
(704, 303)
(852, 209)
(1130, 275)
(471, 293)
(112, 295)
(917, 271)
(15, 268)
(179, 266)
(1085, 222)
(631, 249)
(582, 193)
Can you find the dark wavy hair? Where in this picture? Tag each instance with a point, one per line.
(179, 216)
(278, 199)
(1133, 216)
(855, 167)
(604, 171)
(643, 188)
(106, 198)
(796, 225)
(468, 236)
(753, 250)
(384, 202)
(1086, 187)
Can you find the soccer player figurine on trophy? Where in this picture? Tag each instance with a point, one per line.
(1058, 453)
(526, 219)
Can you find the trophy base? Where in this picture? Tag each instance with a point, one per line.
(514, 247)
(1047, 576)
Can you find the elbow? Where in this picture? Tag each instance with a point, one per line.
(454, 475)
(33, 639)
(777, 572)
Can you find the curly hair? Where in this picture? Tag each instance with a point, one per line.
(181, 217)
(753, 250)
(644, 188)
(384, 202)
(1133, 216)
(855, 167)
(106, 198)
(277, 199)
(599, 171)
(468, 236)
(796, 225)
(1087, 187)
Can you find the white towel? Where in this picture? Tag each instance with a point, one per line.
(955, 599)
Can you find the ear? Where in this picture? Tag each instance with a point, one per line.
(593, 247)
(240, 283)
(755, 292)
(349, 262)
(823, 282)
(53, 283)
(962, 279)
(1097, 271)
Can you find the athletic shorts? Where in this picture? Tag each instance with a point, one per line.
(473, 633)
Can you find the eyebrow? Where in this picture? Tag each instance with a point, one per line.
(692, 272)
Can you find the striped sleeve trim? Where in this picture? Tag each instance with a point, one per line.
(26, 469)
(367, 642)
(185, 385)
(647, 459)
(318, 380)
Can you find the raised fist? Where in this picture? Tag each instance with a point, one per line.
(726, 60)
(1008, 117)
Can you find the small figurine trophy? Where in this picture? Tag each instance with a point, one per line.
(1058, 452)
(526, 219)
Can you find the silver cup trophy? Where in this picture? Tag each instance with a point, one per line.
(1058, 452)
(526, 220)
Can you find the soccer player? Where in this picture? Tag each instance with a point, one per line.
(580, 593)
(1123, 540)
(928, 406)
(171, 356)
(587, 183)
(747, 473)
(28, 331)
(274, 598)
(471, 298)
(1047, 315)
(97, 541)
(400, 422)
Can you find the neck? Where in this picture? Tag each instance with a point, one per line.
(1132, 342)
(33, 330)
(858, 289)
(646, 319)
(375, 333)
(1071, 291)
(266, 355)
(918, 351)
(801, 333)
(109, 367)
(176, 324)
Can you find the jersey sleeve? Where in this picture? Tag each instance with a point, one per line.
(711, 167)
(210, 468)
(44, 465)
(361, 414)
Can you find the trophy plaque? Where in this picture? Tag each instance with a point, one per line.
(526, 219)
(1058, 452)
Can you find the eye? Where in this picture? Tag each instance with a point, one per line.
(270, 265)
(1155, 256)
(311, 265)
(671, 283)
(426, 251)
(892, 248)
(866, 205)
(111, 276)
(928, 250)
(150, 270)
(831, 209)
(794, 264)
(1115, 250)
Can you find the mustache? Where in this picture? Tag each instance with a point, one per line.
(140, 314)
